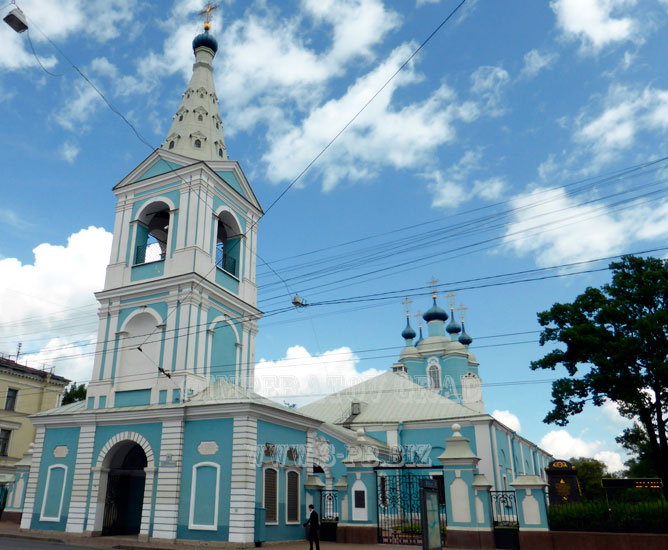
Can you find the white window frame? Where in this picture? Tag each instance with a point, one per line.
(264, 493)
(56, 519)
(431, 365)
(193, 496)
(288, 471)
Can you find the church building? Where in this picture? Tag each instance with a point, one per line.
(172, 442)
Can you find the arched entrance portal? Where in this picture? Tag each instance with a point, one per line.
(124, 498)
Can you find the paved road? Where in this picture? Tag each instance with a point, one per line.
(9, 543)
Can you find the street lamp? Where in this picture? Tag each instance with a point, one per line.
(16, 20)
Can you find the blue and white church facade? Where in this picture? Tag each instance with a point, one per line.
(172, 443)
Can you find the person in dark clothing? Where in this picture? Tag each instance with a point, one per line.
(314, 528)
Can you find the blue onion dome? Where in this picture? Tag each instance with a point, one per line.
(206, 40)
(464, 338)
(453, 326)
(435, 313)
(408, 333)
(420, 338)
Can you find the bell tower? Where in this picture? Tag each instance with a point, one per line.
(178, 309)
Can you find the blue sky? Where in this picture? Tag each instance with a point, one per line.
(500, 148)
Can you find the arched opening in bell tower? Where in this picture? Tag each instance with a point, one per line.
(126, 478)
(152, 233)
(228, 244)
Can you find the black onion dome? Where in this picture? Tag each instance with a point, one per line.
(206, 40)
(408, 333)
(435, 313)
(453, 326)
(464, 338)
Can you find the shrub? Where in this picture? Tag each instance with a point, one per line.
(619, 517)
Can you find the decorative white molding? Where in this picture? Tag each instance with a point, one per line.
(42, 517)
(193, 497)
(61, 451)
(207, 448)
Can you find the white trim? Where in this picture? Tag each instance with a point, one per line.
(139, 311)
(433, 362)
(193, 496)
(264, 493)
(289, 470)
(42, 517)
(360, 514)
(152, 200)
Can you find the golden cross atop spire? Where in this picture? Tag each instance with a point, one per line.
(450, 297)
(418, 316)
(407, 305)
(461, 309)
(433, 283)
(207, 11)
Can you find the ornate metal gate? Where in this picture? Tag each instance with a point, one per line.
(398, 498)
(506, 524)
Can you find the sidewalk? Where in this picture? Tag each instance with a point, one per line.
(132, 543)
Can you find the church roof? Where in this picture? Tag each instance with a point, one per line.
(388, 397)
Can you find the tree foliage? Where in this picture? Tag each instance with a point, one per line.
(590, 472)
(74, 393)
(636, 442)
(616, 348)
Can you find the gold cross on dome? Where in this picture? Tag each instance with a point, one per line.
(207, 11)
(461, 309)
(450, 297)
(433, 283)
(418, 316)
(407, 305)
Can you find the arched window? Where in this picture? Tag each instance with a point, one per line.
(152, 233)
(180, 118)
(434, 377)
(200, 117)
(198, 144)
(228, 244)
(171, 144)
(217, 126)
(270, 495)
(220, 151)
(292, 496)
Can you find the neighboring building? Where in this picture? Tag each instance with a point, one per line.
(23, 391)
(172, 442)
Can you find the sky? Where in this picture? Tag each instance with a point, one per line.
(510, 159)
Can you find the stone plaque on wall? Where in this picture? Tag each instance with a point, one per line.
(207, 448)
(60, 451)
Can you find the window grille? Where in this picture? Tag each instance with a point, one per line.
(270, 495)
(293, 497)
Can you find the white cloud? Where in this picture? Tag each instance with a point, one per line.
(489, 83)
(508, 418)
(381, 136)
(76, 112)
(594, 21)
(13, 219)
(556, 229)
(102, 20)
(54, 295)
(301, 377)
(450, 187)
(611, 459)
(561, 444)
(611, 414)
(69, 151)
(626, 112)
(534, 62)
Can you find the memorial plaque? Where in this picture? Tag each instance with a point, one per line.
(562, 482)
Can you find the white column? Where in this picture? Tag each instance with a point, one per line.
(169, 480)
(242, 493)
(82, 470)
(29, 504)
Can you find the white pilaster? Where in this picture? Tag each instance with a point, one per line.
(169, 481)
(29, 504)
(242, 493)
(82, 470)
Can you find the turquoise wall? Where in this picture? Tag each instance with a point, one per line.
(284, 437)
(55, 437)
(223, 352)
(195, 431)
(132, 398)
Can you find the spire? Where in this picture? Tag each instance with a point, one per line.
(197, 129)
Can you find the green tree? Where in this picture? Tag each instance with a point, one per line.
(74, 393)
(616, 348)
(590, 472)
(636, 442)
